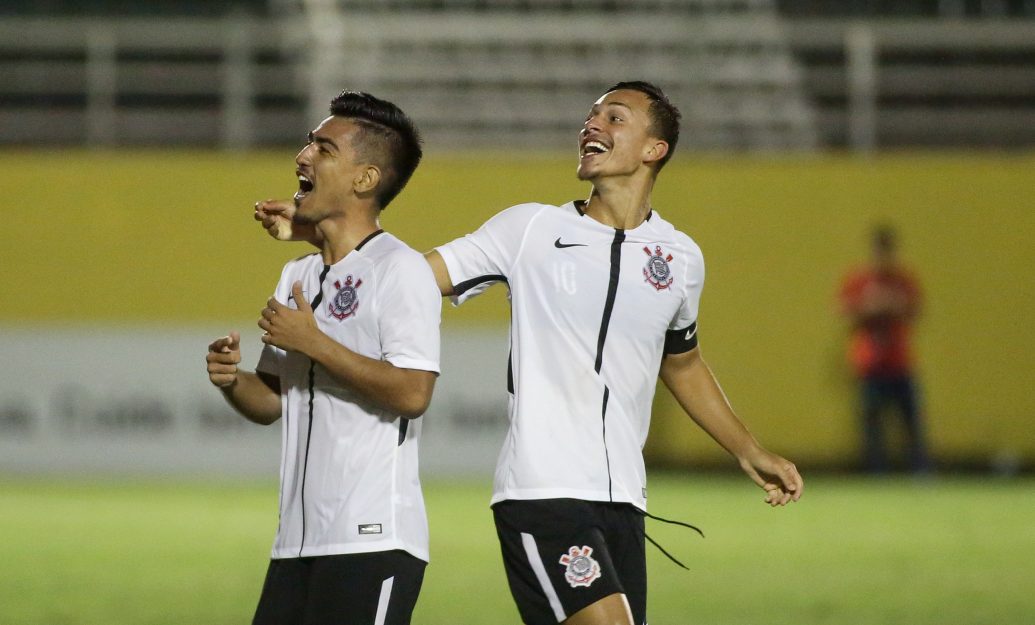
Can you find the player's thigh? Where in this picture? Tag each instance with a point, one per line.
(284, 590)
(364, 589)
(556, 557)
(611, 610)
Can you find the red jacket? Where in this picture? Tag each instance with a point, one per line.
(882, 306)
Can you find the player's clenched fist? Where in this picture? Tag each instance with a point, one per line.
(224, 354)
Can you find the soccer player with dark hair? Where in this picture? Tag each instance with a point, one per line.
(604, 300)
(349, 364)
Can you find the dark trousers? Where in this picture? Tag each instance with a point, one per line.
(899, 394)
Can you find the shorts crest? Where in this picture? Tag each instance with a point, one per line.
(580, 568)
(345, 301)
(657, 272)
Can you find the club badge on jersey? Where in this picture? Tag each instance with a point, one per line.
(580, 568)
(657, 272)
(346, 301)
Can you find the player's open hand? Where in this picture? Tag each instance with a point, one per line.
(777, 476)
(287, 328)
(224, 355)
(276, 216)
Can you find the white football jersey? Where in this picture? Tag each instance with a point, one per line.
(593, 309)
(348, 476)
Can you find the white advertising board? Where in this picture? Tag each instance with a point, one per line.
(138, 401)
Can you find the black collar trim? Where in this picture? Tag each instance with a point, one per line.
(580, 204)
(369, 237)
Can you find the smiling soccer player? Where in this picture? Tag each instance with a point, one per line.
(349, 363)
(604, 300)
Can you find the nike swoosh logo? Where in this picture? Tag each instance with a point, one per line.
(560, 245)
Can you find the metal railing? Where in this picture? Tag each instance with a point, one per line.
(920, 83)
(243, 81)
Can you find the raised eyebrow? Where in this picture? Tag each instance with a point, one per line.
(596, 107)
(322, 141)
(621, 104)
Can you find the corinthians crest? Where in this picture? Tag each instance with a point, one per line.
(581, 569)
(345, 302)
(657, 272)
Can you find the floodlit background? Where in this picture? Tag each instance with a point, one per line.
(135, 137)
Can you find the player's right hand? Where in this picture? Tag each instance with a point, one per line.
(224, 354)
(275, 216)
(776, 475)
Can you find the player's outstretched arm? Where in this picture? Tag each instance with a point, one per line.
(276, 215)
(438, 267)
(256, 397)
(405, 392)
(694, 386)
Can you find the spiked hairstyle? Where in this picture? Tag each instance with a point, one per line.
(389, 139)
(664, 115)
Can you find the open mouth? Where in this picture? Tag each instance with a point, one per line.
(305, 185)
(592, 148)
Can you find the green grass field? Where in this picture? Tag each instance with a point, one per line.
(854, 551)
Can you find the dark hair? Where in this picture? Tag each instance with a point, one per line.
(664, 115)
(884, 237)
(389, 139)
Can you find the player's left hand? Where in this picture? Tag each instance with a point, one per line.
(275, 216)
(287, 328)
(778, 476)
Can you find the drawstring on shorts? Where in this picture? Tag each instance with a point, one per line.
(662, 549)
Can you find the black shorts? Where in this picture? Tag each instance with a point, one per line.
(377, 588)
(562, 555)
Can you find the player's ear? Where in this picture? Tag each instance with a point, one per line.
(656, 150)
(366, 180)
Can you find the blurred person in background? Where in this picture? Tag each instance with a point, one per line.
(882, 301)
(604, 300)
(349, 363)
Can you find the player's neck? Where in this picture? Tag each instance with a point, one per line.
(341, 235)
(622, 206)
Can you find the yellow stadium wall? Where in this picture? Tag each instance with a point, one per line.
(166, 238)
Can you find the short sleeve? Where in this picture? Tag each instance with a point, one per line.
(682, 331)
(850, 292)
(410, 311)
(271, 360)
(477, 261)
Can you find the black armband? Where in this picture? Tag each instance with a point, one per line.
(681, 341)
